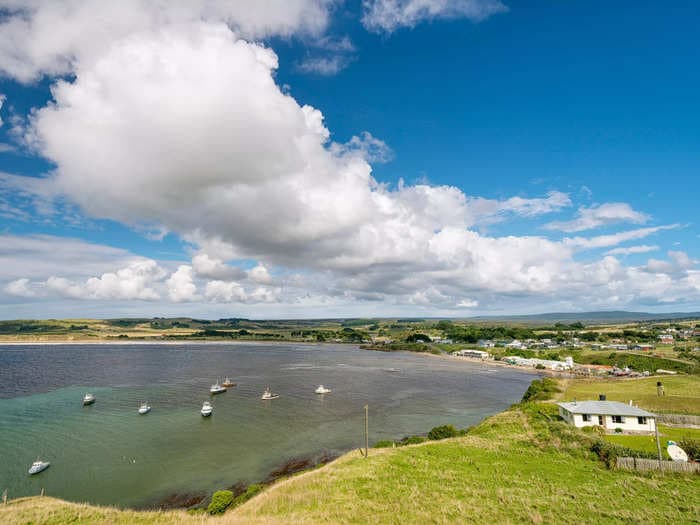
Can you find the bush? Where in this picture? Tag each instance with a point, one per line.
(220, 501)
(541, 389)
(385, 443)
(691, 447)
(618, 430)
(443, 432)
(413, 440)
(251, 491)
(594, 429)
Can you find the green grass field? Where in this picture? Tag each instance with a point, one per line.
(648, 443)
(520, 466)
(682, 392)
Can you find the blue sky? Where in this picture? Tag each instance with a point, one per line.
(489, 127)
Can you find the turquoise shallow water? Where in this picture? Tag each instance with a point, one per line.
(107, 453)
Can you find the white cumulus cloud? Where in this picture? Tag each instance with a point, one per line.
(181, 286)
(132, 282)
(20, 288)
(390, 15)
(39, 37)
(601, 215)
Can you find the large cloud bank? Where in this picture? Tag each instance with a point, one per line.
(172, 120)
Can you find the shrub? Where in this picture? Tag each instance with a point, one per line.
(443, 432)
(413, 440)
(691, 447)
(250, 491)
(385, 443)
(618, 430)
(220, 501)
(541, 389)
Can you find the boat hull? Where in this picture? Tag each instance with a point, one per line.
(87, 402)
(37, 470)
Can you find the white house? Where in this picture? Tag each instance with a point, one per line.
(467, 352)
(610, 415)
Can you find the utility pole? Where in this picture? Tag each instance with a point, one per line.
(366, 430)
(658, 445)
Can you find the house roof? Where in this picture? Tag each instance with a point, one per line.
(604, 408)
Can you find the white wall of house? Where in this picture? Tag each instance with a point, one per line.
(628, 424)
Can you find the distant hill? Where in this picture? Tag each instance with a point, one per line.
(605, 317)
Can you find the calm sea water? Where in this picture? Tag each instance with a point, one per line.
(107, 453)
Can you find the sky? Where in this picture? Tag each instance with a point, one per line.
(330, 158)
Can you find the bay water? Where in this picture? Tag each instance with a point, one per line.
(107, 453)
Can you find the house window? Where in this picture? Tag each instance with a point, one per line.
(642, 420)
(600, 420)
(586, 418)
(618, 419)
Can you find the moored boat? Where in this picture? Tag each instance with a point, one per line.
(217, 388)
(38, 466)
(88, 399)
(228, 383)
(207, 409)
(322, 390)
(267, 395)
(145, 408)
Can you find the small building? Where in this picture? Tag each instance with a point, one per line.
(515, 344)
(477, 354)
(666, 338)
(486, 343)
(610, 415)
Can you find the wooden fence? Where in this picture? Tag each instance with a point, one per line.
(679, 419)
(643, 465)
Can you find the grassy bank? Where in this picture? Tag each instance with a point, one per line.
(682, 393)
(520, 466)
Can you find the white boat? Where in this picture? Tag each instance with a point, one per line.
(267, 395)
(676, 452)
(228, 383)
(216, 388)
(322, 390)
(88, 399)
(145, 408)
(38, 466)
(207, 409)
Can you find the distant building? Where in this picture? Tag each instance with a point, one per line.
(477, 354)
(486, 343)
(610, 415)
(643, 346)
(515, 344)
(666, 338)
(550, 364)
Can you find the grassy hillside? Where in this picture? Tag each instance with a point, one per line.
(521, 466)
(682, 392)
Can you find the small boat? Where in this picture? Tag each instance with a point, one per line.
(228, 383)
(392, 370)
(88, 399)
(145, 408)
(207, 409)
(216, 388)
(38, 466)
(676, 453)
(322, 390)
(267, 395)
